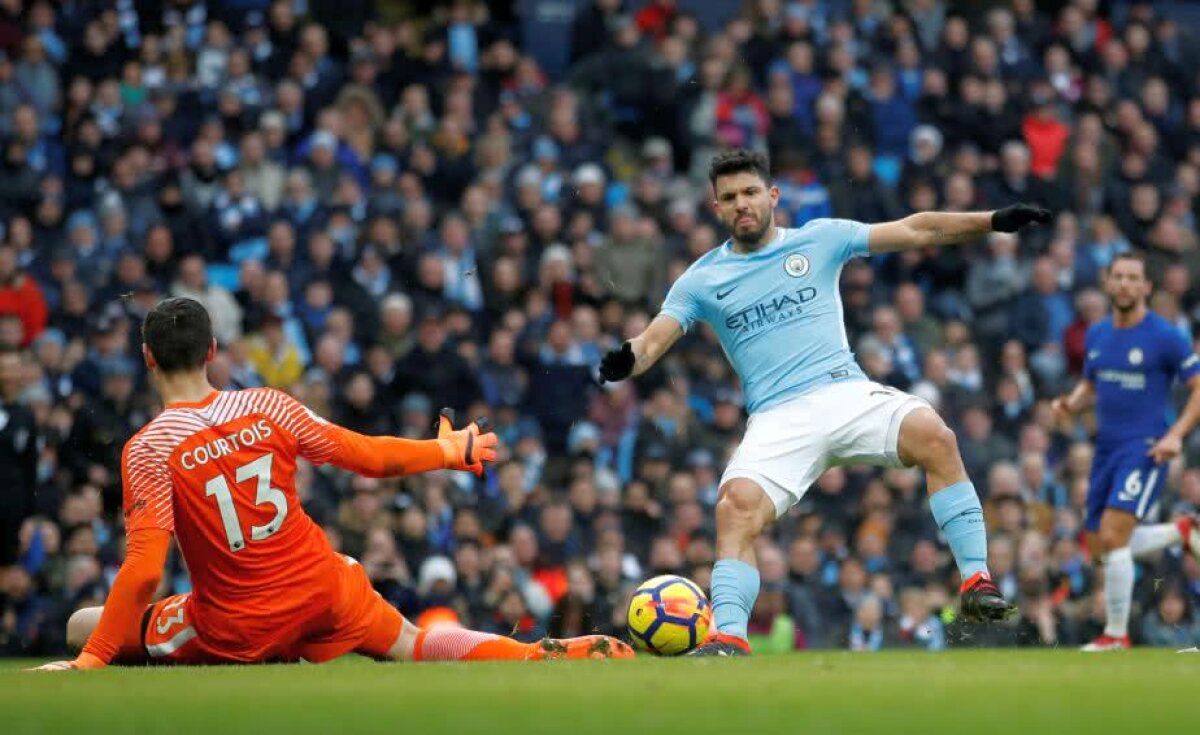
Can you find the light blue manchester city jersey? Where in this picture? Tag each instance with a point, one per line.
(777, 311)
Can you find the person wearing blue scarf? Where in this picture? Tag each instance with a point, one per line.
(866, 632)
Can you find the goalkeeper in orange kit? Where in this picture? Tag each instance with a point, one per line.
(216, 470)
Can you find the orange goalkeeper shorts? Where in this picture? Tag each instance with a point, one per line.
(358, 621)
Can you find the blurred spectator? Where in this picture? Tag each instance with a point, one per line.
(801, 193)
(193, 284)
(630, 263)
(573, 614)
(1090, 307)
(993, 287)
(887, 339)
(742, 119)
(918, 625)
(868, 631)
(274, 356)
(19, 450)
(863, 195)
(1040, 320)
(21, 296)
(771, 629)
(1172, 620)
(1045, 134)
(589, 30)
(433, 368)
(894, 115)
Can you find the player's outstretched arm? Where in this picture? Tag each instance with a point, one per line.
(389, 456)
(324, 442)
(934, 229)
(639, 354)
(1171, 444)
(132, 590)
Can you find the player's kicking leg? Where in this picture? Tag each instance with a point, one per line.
(743, 511)
(787, 447)
(925, 440)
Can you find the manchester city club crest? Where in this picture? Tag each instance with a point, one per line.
(796, 265)
(1135, 356)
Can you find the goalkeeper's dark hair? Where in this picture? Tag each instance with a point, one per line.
(178, 332)
(738, 161)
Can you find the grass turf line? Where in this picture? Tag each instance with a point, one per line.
(973, 692)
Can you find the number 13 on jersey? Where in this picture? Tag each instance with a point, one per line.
(260, 471)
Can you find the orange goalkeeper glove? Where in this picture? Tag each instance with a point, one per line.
(466, 449)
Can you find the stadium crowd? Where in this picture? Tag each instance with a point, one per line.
(391, 209)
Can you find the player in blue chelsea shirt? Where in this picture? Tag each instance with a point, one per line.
(772, 296)
(1131, 359)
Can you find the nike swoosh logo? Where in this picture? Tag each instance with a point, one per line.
(721, 295)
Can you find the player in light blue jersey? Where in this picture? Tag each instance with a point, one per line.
(771, 294)
(1131, 360)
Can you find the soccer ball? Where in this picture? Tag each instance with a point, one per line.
(668, 616)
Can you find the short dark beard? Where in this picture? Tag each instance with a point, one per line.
(1123, 310)
(754, 242)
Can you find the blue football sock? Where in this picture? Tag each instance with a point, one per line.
(734, 590)
(958, 513)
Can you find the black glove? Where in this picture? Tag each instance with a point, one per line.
(1011, 219)
(617, 365)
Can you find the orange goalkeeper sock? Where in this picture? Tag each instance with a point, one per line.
(459, 644)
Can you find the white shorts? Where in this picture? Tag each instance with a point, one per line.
(786, 448)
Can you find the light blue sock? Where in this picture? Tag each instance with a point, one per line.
(958, 513)
(734, 590)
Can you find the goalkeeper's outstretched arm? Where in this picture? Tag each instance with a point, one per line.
(324, 442)
(389, 456)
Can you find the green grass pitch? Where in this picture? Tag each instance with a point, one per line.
(964, 692)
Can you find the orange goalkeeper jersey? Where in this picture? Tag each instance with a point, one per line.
(220, 475)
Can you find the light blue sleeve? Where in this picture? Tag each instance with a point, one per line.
(847, 238)
(681, 303)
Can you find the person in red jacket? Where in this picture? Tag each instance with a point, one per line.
(1090, 308)
(742, 117)
(21, 296)
(1046, 135)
